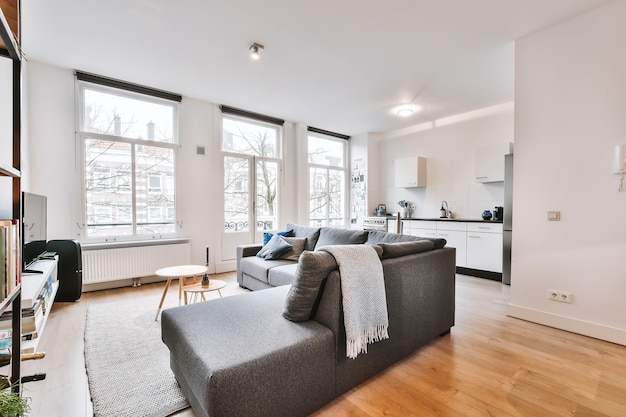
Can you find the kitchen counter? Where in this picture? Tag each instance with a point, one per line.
(437, 219)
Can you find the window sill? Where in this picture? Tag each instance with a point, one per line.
(132, 244)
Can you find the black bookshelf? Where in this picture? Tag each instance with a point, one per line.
(11, 51)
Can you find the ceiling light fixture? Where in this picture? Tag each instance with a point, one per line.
(405, 111)
(255, 50)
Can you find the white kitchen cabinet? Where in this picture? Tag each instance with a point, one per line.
(420, 228)
(484, 246)
(489, 162)
(455, 234)
(410, 172)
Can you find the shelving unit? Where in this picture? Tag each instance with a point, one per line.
(32, 287)
(9, 50)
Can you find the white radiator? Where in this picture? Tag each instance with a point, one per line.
(104, 265)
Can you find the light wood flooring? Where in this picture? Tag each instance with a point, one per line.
(490, 365)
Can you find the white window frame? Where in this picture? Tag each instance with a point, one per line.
(345, 169)
(82, 137)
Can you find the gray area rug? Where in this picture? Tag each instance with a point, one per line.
(128, 364)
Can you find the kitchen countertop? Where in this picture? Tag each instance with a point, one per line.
(433, 219)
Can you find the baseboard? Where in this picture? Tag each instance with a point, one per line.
(495, 276)
(595, 330)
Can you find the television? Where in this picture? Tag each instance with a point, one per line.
(34, 227)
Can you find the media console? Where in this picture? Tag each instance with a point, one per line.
(38, 292)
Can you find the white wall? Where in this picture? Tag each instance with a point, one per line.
(448, 145)
(55, 169)
(570, 112)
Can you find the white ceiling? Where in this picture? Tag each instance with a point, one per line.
(339, 65)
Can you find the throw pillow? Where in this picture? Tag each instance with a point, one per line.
(297, 246)
(313, 268)
(274, 248)
(332, 236)
(267, 235)
(397, 249)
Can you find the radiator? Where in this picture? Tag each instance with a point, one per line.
(114, 264)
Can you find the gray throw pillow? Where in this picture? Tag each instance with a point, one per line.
(394, 250)
(313, 268)
(311, 234)
(297, 247)
(274, 248)
(332, 236)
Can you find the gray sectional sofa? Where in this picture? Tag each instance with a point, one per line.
(282, 351)
(257, 273)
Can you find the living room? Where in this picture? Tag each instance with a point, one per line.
(564, 120)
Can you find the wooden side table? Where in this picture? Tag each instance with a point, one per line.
(182, 272)
(197, 290)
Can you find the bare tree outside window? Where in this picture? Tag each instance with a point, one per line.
(251, 172)
(327, 182)
(129, 157)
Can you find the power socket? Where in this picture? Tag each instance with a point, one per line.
(554, 295)
(560, 296)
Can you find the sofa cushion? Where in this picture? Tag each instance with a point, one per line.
(238, 357)
(297, 246)
(282, 275)
(274, 248)
(267, 235)
(332, 236)
(374, 238)
(259, 268)
(397, 249)
(311, 234)
(313, 268)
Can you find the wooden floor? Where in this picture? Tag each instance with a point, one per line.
(490, 365)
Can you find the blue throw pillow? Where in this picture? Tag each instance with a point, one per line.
(267, 235)
(274, 248)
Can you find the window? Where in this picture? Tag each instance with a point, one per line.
(252, 169)
(128, 145)
(327, 180)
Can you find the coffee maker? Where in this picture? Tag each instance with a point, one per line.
(498, 213)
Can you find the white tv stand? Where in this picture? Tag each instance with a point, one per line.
(32, 285)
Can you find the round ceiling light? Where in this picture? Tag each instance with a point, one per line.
(405, 111)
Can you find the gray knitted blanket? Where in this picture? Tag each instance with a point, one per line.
(364, 299)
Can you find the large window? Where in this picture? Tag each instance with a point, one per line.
(327, 180)
(128, 145)
(252, 167)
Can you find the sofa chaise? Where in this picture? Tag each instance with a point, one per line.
(282, 351)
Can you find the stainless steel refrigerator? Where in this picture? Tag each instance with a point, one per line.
(507, 222)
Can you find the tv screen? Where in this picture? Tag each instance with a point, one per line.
(34, 226)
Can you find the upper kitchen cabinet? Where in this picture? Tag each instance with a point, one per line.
(489, 162)
(411, 172)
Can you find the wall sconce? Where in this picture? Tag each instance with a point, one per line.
(255, 50)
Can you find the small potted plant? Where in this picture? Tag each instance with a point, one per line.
(12, 404)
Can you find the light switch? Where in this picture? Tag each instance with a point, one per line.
(554, 216)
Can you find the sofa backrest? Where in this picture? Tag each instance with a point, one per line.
(420, 304)
(311, 234)
(334, 236)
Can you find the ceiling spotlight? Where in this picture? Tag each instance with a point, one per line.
(405, 111)
(255, 50)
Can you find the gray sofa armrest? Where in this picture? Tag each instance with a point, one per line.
(243, 251)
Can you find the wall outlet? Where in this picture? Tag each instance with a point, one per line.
(553, 295)
(565, 297)
(560, 296)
